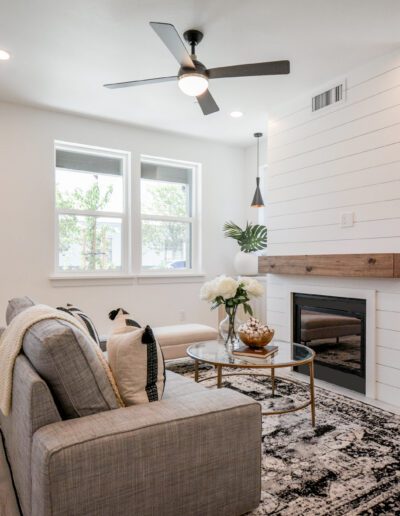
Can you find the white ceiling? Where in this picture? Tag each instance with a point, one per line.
(63, 51)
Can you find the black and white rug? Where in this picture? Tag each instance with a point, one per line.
(348, 465)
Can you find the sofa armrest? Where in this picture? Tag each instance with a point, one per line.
(197, 454)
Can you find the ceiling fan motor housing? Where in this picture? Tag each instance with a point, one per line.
(193, 37)
(199, 69)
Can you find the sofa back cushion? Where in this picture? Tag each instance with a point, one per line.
(67, 360)
(72, 366)
(16, 306)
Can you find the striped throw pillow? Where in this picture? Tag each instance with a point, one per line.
(83, 318)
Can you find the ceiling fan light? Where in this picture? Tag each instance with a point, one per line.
(193, 84)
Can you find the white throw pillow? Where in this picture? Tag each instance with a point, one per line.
(137, 362)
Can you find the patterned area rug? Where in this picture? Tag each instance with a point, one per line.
(348, 465)
(344, 355)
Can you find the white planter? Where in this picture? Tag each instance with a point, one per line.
(246, 264)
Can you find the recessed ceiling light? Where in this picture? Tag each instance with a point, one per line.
(236, 114)
(4, 55)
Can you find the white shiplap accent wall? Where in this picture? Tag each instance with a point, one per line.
(341, 159)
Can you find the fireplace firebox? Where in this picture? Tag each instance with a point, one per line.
(334, 327)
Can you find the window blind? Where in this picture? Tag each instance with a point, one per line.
(165, 173)
(88, 162)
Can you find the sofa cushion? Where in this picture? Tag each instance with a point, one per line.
(177, 386)
(16, 306)
(70, 363)
(136, 361)
(184, 334)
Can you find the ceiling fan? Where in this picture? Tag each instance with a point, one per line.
(193, 76)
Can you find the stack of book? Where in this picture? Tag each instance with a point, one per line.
(246, 352)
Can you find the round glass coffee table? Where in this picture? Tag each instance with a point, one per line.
(288, 354)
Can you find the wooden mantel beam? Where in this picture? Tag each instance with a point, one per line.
(382, 265)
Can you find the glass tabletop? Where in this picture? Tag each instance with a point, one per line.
(216, 352)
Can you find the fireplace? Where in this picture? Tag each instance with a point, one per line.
(334, 327)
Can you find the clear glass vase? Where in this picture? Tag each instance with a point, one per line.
(228, 327)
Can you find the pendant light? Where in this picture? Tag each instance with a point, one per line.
(257, 201)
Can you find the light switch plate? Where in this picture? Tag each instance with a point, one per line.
(347, 219)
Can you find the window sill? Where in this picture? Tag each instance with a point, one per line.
(80, 280)
(172, 277)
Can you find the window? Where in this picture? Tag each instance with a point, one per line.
(169, 222)
(91, 219)
(105, 229)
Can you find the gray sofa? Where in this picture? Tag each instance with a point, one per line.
(195, 452)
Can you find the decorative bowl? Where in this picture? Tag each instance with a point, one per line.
(256, 342)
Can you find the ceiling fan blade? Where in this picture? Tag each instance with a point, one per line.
(128, 84)
(251, 69)
(207, 103)
(172, 40)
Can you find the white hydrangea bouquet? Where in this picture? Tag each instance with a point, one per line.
(232, 293)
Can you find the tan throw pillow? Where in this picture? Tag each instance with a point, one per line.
(136, 361)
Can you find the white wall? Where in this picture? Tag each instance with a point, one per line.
(344, 159)
(27, 213)
(337, 160)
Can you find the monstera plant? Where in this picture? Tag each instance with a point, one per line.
(250, 239)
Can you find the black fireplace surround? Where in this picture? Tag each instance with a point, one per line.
(334, 327)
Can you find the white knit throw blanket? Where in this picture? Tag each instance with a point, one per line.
(11, 342)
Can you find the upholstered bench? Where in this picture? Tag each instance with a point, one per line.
(316, 326)
(175, 339)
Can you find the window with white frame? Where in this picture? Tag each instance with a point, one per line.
(169, 218)
(91, 209)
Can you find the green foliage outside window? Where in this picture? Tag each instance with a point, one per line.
(93, 238)
(166, 238)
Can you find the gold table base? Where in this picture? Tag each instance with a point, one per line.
(309, 403)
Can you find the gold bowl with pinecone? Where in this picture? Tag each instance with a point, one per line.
(255, 334)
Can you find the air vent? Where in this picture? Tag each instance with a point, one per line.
(328, 97)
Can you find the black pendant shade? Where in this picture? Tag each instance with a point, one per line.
(257, 201)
